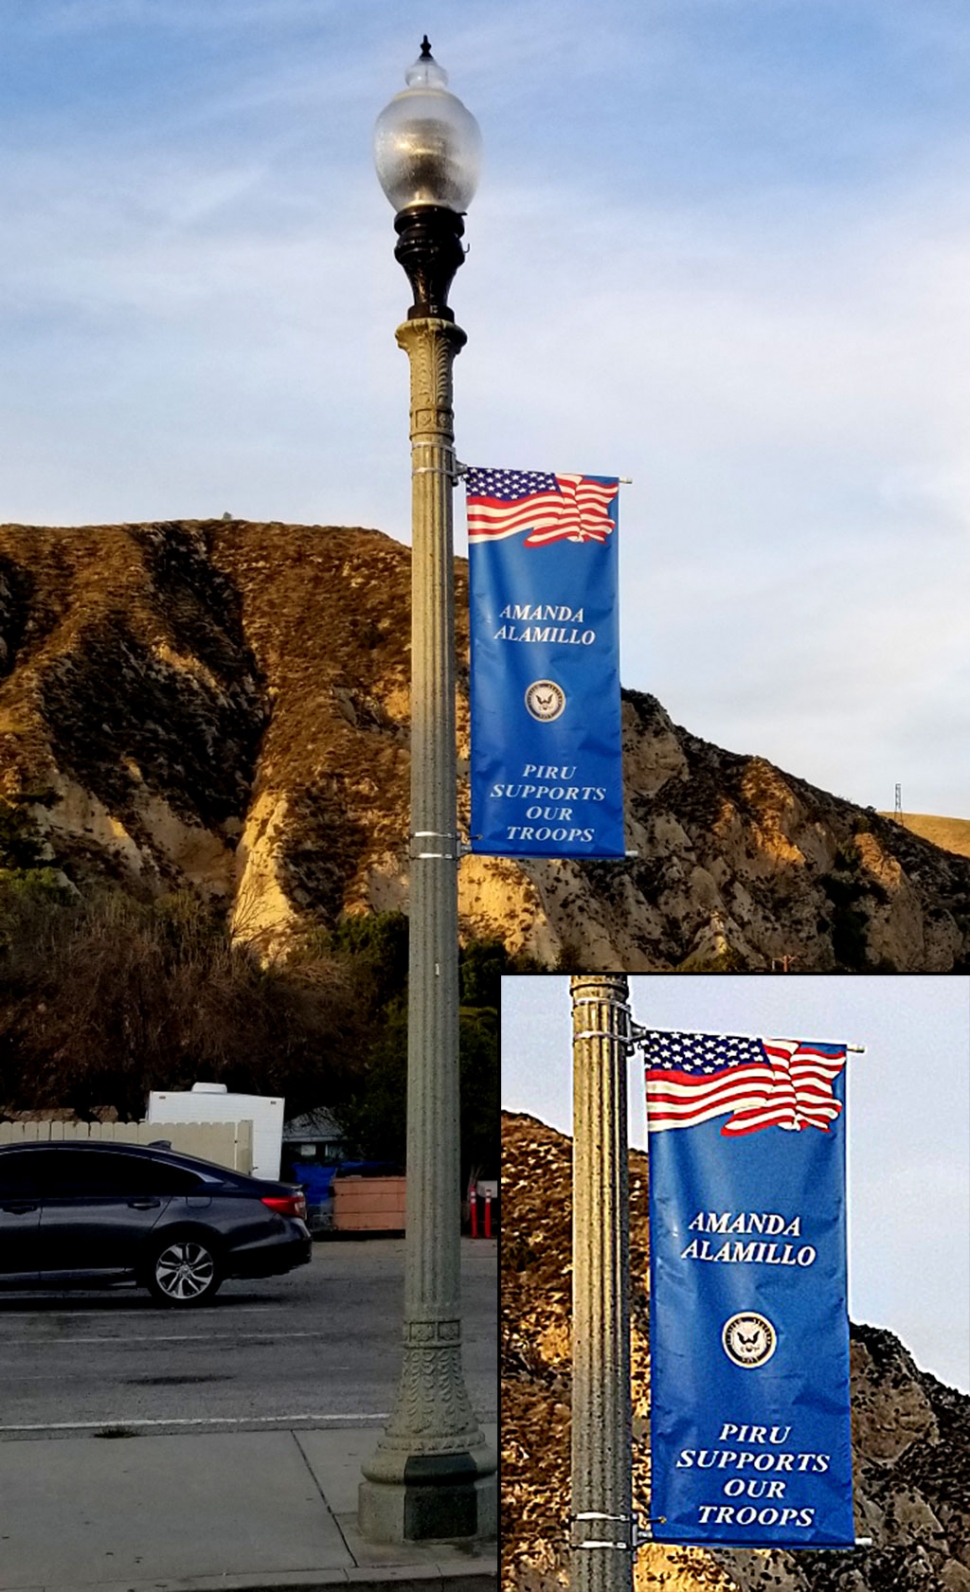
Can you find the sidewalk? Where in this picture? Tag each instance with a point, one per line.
(237, 1512)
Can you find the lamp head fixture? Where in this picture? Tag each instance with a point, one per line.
(427, 146)
(428, 150)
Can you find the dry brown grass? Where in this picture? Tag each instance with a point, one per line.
(950, 834)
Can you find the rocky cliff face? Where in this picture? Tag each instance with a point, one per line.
(910, 1435)
(226, 705)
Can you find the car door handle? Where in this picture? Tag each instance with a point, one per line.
(21, 1208)
(143, 1205)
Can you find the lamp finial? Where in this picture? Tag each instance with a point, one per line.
(425, 49)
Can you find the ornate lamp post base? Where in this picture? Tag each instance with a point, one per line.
(428, 1497)
(423, 1512)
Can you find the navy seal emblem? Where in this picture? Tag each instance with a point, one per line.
(749, 1339)
(545, 700)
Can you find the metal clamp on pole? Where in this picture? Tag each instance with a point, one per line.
(435, 856)
(579, 1529)
(626, 1042)
(453, 472)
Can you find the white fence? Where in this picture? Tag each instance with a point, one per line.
(227, 1143)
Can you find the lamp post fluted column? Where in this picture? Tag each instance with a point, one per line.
(602, 1529)
(432, 1475)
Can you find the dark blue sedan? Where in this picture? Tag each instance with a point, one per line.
(94, 1214)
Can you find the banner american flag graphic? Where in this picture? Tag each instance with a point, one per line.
(756, 1083)
(551, 508)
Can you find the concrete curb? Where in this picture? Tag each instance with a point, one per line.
(472, 1577)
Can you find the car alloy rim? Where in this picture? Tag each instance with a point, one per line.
(183, 1271)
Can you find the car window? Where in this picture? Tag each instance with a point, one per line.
(167, 1179)
(19, 1174)
(63, 1172)
(95, 1174)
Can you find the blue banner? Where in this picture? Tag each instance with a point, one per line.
(749, 1329)
(546, 767)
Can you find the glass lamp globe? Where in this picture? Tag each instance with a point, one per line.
(427, 146)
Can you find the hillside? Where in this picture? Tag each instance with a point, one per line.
(910, 1435)
(950, 834)
(225, 704)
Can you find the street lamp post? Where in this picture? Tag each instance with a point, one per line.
(432, 1475)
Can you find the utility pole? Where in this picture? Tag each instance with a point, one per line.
(603, 1534)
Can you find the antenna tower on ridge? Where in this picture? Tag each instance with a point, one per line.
(898, 809)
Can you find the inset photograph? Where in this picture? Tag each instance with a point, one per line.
(735, 1283)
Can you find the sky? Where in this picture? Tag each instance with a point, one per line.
(720, 246)
(908, 1116)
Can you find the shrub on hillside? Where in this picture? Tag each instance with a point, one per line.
(104, 998)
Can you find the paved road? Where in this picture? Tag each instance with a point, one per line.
(317, 1347)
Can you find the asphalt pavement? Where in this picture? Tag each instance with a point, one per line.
(189, 1454)
(317, 1347)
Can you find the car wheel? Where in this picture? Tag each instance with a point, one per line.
(184, 1271)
